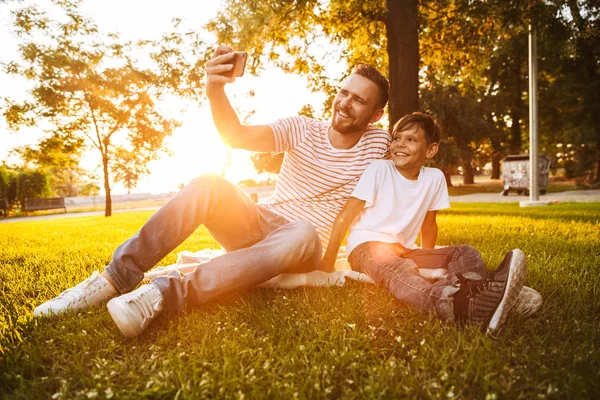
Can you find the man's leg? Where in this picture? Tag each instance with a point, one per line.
(233, 218)
(292, 247)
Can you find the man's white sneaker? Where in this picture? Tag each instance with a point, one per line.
(94, 290)
(132, 312)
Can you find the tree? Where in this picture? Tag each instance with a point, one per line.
(579, 76)
(59, 155)
(94, 86)
(356, 29)
(129, 167)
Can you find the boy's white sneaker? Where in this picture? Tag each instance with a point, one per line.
(94, 290)
(132, 312)
(528, 302)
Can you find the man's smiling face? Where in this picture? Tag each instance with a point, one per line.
(355, 105)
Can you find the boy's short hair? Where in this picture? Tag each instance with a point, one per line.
(424, 121)
(372, 74)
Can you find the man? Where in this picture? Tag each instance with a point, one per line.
(322, 164)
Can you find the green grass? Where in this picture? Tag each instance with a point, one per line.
(349, 342)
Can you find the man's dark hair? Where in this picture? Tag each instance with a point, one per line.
(424, 121)
(372, 74)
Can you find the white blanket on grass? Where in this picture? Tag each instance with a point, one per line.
(188, 261)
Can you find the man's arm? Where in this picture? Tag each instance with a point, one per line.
(429, 230)
(234, 134)
(343, 221)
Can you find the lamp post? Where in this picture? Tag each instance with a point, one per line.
(534, 166)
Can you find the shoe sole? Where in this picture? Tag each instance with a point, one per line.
(528, 303)
(516, 278)
(122, 315)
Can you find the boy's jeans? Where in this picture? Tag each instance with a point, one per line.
(398, 272)
(260, 244)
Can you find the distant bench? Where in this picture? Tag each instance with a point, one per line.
(50, 203)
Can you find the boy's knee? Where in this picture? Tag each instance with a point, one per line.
(466, 251)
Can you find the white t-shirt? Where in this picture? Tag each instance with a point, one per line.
(395, 207)
(316, 179)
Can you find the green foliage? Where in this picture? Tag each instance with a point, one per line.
(479, 48)
(8, 185)
(32, 184)
(129, 167)
(292, 34)
(95, 86)
(352, 342)
(18, 184)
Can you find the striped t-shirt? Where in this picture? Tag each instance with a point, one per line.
(316, 179)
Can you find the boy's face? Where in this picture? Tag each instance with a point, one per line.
(355, 105)
(410, 150)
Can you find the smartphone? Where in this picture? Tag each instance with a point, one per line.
(239, 64)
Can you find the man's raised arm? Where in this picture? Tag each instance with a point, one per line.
(233, 133)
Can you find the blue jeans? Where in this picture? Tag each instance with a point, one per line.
(260, 244)
(397, 270)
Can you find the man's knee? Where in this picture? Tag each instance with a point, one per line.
(205, 182)
(304, 233)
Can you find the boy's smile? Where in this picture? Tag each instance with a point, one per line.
(409, 151)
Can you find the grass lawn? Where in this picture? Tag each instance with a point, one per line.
(349, 342)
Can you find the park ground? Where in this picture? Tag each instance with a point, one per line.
(350, 342)
(487, 189)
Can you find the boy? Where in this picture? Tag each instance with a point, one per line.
(397, 197)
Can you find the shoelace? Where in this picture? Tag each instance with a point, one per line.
(74, 294)
(472, 287)
(468, 289)
(143, 304)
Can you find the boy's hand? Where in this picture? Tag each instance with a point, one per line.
(326, 265)
(220, 63)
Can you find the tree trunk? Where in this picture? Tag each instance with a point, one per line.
(495, 166)
(448, 178)
(468, 173)
(516, 108)
(108, 199)
(496, 155)
(403, 52)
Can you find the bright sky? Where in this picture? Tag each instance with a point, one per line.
(196, 145)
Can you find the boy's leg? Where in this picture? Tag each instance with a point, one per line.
(231, 216)
(461, 260)
(467, 294)
(384, 263)
(456, 259)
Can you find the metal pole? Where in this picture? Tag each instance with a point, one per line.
(534, 166)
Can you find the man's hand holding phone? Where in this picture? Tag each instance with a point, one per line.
(223, 68)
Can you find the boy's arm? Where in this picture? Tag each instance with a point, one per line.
(343, 221)
(429, 230)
